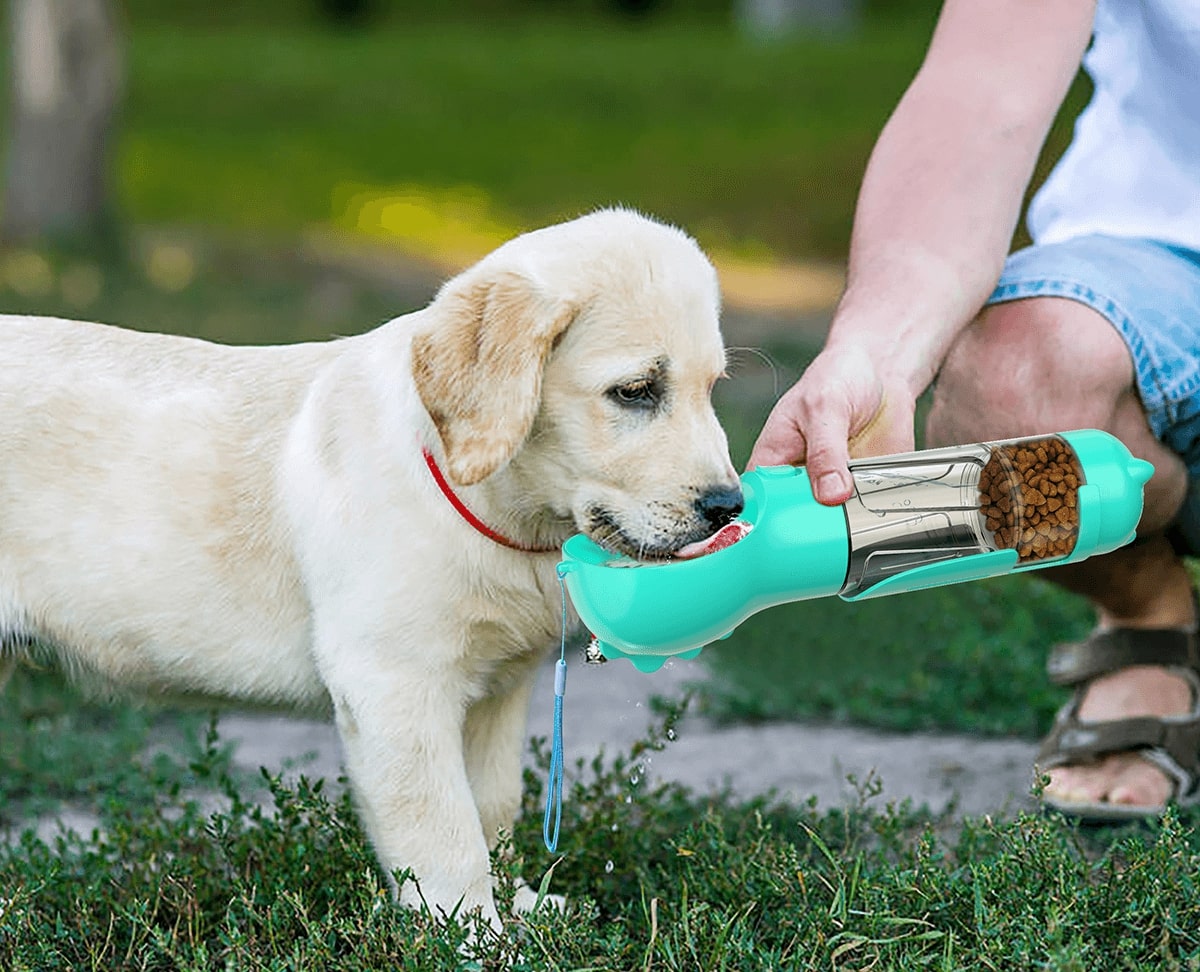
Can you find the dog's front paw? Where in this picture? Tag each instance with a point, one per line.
(525, 900)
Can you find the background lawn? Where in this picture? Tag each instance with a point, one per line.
(502, 123)
(755, 148)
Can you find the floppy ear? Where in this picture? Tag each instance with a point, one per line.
(478, 370)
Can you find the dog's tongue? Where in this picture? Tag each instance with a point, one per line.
(727, 536)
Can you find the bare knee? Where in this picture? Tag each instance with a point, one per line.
(1031, 366)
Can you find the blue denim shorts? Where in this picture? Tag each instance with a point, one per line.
(1150, 292)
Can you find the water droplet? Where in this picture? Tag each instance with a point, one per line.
(608, 867)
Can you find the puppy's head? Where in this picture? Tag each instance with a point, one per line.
(581, 359)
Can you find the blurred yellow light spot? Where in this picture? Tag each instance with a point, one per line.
(170, 267)
(454, 227)
(451, 226)
(28, 274)
(81, 285)
(774, 286)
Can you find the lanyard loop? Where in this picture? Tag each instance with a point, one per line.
(554, 782)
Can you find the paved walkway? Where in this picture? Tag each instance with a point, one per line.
(608, 707)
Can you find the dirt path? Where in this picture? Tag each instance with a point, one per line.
(608, 707)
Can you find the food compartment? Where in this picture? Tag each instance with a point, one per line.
(1029, 497)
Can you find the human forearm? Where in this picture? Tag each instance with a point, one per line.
(943, 189)
(936, 212)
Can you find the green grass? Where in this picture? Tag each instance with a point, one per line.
(753, 147)
(59, 748)
(657, 879)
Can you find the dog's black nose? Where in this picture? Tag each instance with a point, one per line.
(720, 506)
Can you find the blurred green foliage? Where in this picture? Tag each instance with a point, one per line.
(197, 284)
(257, 116)
(748, 146)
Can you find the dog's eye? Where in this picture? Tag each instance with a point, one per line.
(644, 393)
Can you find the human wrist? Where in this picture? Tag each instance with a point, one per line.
(904, 362)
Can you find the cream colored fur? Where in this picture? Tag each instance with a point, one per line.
(257, 524)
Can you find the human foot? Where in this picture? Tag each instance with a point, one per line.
(1127, 778)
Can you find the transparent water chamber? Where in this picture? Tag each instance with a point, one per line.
(927, 507)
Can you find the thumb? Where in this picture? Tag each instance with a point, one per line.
(828, 463)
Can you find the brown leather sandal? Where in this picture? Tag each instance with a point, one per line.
(1172, 743)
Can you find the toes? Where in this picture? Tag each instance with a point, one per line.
(1122, 778)
(1141, 784)
(1074, 784)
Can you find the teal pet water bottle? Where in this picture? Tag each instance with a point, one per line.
(917, 520)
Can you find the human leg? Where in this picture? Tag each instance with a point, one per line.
(1054, 363)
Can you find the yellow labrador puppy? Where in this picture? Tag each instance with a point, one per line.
(370, 525)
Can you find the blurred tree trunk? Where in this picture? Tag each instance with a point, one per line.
(66, 81)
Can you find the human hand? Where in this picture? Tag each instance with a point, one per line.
(841, 406)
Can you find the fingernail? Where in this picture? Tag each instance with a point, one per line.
(830, 484)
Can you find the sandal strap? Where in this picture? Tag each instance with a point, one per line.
(1115, 648)
(1171, 740)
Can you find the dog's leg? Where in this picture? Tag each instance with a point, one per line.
(402, 738)
(494, 735)
(493, 738)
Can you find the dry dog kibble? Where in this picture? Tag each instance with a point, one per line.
(1028, 494)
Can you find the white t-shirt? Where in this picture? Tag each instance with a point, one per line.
(1133, 167)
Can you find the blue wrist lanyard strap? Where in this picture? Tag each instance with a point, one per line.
(554, 782)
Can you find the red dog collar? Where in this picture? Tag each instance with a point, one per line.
(470, 517)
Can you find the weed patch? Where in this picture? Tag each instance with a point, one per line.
(656, 878)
